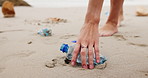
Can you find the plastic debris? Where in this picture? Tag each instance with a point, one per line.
(74, 41)
(45, 32)
(55, 20)
(65, 48)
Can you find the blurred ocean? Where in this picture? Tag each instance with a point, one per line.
(77, 3)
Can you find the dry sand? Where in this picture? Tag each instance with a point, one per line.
(24, 53)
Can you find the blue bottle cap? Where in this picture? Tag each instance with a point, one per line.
(74, 41)
(64, 48)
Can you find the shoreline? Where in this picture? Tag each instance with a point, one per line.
(77, 3)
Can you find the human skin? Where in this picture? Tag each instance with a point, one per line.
(114, 19)
(89, 34)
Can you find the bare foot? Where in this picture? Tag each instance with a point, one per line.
(121, 18)
(108, 30)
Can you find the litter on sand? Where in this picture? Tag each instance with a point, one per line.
(55, 20)
(45, 32)
(65, 48)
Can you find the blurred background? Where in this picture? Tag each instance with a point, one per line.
(77, 3)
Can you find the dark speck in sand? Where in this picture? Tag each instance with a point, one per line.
(39, 24)
(136, 36)
(120, 37)
(1, 31)
(54, 61)
(30, 42)
(146, 74)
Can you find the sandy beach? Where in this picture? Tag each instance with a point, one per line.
(24, 53)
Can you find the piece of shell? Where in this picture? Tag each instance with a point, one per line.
(141, 11)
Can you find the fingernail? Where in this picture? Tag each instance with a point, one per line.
(84, 66)
(91, 66)
(98, 61)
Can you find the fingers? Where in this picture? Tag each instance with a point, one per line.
(83, 58)
(90, 56)
(96, 49)
(83, 54)
(75, 54)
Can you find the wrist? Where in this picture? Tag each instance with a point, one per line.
(92, 19)
(90, 25)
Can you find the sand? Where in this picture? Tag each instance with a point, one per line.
(24, 53)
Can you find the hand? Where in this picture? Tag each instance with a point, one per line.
(88, 38)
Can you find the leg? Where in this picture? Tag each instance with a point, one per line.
(121, 18)
(88, 37)
(111, 25)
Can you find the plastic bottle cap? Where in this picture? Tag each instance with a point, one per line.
(64, 48)
(74, 41)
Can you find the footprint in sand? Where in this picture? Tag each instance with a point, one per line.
(24, 54)
(120, 37)
(67, 36)
(61, 61)
(11, 30)
(1, 70)
(3, 40)
(123, 38)
(136, 44)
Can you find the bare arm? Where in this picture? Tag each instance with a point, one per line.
(89, 35)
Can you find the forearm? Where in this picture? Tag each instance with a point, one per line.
(94, 11)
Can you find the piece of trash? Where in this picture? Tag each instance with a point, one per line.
(74, 41)
(107, 13)
(65, 48)
(29, 42)
(141, 11)
(58, 20)
(45, 32)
